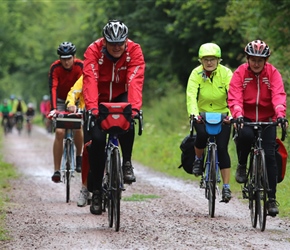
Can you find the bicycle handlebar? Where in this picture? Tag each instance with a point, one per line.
(259, 124)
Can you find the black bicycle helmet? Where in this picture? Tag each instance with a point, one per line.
(115, 31)
(66, 50)
(257, 48)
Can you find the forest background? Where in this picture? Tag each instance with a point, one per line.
(170, 33)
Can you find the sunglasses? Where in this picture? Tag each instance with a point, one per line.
(116, 43)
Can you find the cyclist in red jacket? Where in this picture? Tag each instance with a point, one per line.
(113, 72)
(62, 76)
(257, 93)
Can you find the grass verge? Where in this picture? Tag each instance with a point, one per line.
(7, 172)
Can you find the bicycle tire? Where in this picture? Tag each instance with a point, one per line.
(110, 203)
(212, 182)
(68, 148)
(5, 126)
(253, 205)
(29, 128)
(263, 188)
(116, 187)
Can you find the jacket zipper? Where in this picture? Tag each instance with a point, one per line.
(257, 100)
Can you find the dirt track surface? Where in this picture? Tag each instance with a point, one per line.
(39, 218)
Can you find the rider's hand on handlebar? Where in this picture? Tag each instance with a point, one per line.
(51, 113)
(282, 121)
(228, 119)
(94, 112)
(198, 118)
(72, 108)
(134, 114)
(240, 122)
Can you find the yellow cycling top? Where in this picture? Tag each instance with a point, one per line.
(76, 94)
(208, 94)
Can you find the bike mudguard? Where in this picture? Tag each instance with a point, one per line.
(213, 123)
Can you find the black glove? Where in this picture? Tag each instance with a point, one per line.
(240, 122)
(282, 120)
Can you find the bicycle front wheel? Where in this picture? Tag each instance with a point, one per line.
(68, 148)
(108, 200)
(212, 181)
(116, 186)
(253, 205)
(263, 188)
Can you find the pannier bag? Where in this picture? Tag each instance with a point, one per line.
(187, 153)
(68, 121)
(114, 117)
(281, 159)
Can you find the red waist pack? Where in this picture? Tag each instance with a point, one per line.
(281, 159)
(115, 117)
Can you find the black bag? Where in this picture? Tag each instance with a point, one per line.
(187, 153)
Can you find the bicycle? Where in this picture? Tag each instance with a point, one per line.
(113, 183)
(69, 122)
(256, 188)
(19, 121)
(210, 178)
(29, 124)
(5, 124)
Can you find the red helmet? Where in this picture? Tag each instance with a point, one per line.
(257, 48)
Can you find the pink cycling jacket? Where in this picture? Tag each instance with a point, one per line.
(104, 80)
(258, 97)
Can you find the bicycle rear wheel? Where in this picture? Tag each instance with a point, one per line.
(263, 188)
(116, 187)
(212, 181)
(253, 205)
(68, 148)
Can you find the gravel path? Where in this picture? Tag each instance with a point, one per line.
(39, 218)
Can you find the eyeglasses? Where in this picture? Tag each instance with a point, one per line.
(207, 60)
(116, 43)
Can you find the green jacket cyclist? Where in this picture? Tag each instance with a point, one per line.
(207, 89)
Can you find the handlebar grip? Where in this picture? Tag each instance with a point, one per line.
(284, 132)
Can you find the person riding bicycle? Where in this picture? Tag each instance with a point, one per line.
(114, 69)
(5, 111)
(75, 100)
(19, 108)
(257, 94)
(45, 108)
(63, 73)
(207, 92)
(30, 110)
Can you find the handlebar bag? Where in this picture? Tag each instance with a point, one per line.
(213, 123)
(281, 159)
(114, 117)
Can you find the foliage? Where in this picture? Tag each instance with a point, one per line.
(7, 172)
(169, 32)
(259, 20)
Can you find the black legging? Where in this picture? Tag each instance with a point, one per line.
(97, 155)
(244, 142)
(222, 141)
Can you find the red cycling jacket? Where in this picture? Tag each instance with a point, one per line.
(258, 97)
(61, 80)
(104, 79)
